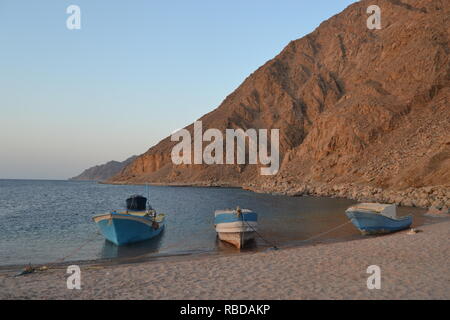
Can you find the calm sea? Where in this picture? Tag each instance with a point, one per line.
(43, 221)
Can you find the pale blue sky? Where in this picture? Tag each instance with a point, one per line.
(135, 72)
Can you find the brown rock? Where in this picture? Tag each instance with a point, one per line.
(368, 107)
(436, 211)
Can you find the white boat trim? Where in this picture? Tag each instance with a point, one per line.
(237, 226)
(387, 210)
(217, 212)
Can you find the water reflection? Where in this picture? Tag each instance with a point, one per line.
(143, 248)
(225, 247)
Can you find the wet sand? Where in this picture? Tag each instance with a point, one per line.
(412, 267)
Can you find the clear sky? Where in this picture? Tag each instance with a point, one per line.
(134, 73)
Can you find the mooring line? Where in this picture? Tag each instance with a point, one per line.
(30, 269)
(323, 233)
(74, 251)
(309, 239)
(267, 241)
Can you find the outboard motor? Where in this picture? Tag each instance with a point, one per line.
(136, 203)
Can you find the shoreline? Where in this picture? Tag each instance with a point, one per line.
(168, 257)
(421, 197)
(164, 257)
(413, 267)
(174, 184)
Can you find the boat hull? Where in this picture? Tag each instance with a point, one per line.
(371, 223)
(237, 239)
(122, 229)
(237, 230)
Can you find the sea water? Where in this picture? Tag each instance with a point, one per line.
(44, 221)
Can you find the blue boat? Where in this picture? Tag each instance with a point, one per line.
(134, 225)
(376, 218)
(236, 227)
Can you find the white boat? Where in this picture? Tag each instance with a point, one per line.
(236, 227)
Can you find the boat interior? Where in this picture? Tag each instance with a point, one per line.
(159, 216)
(387, 210)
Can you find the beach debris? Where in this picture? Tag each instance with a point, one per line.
(28, 269)
(414, 231)
(435, 211)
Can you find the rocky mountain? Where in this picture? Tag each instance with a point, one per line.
(104, 171)
(362, 113)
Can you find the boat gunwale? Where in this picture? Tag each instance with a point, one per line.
(378, 214)
(160, 218)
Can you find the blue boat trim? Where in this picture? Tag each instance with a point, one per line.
(122, 229)
(373, 223)
(231, 217)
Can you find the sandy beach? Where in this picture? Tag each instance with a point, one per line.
(412, 267)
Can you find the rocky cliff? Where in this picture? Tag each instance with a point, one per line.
(362, 113)
(105, 171)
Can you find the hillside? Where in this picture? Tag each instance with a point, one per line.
(105, 171)
(362, 113)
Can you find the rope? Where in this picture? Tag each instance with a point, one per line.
(31, 269)
(259, 235)
(321, 234)
(148, 197)
(74, 251)
(309, 239)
